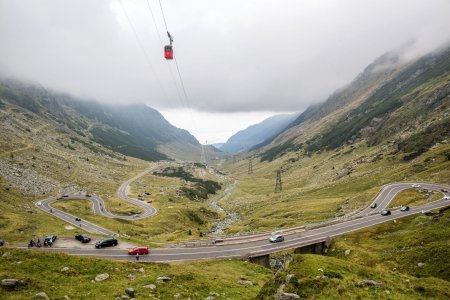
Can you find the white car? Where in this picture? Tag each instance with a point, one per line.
(415, 185)
(276, 238)
(446, 197)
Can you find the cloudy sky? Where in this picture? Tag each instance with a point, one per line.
(240, 60)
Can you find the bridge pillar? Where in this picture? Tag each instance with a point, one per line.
(262, 260)
(317, 248)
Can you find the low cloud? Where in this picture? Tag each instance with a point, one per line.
(234, 56)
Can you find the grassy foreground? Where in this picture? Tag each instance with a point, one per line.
(42, 273)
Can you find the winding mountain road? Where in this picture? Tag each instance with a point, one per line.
(244, 246)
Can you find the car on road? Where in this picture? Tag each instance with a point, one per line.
(77, 219)
(50, 240)
(404, 208)
(374, 205)
(51, 210)
(65, 196)
(141, 250)
(444, 190)
(88, 195)
(108, 242)
(276, 238)
(2, 242)
(446, 197)
(386, 212)
(84, 238)
(415, 185)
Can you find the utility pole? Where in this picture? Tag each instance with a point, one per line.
(203, 157)
(278, 182)
(250, 166)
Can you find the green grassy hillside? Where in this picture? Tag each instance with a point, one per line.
(408, 258)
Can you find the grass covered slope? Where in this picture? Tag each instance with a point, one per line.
(408, 258)
(42, 272)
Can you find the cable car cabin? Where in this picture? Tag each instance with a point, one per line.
(168, 52)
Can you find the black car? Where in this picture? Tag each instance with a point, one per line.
(77, 219)
(386, 212)
(373, 205)
(50, 240)
(2, 242)
(84, 238)
(108, 242)
(404, 208)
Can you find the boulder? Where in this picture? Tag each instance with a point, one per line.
(347, 252)
(11, 282)
(131, 276)
(164, 278)
(65, 269)
(130, 292)
(244, 282)
(141, 270)
(150, 286)
(40, 295)
(101, 277)
(370, 283)
(421, 265)
(286, 296)
(6, 254)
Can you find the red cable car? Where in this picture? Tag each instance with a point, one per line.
(168, 52)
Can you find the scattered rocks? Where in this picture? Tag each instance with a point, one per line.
(66, 297)
(130, 292)
(6, 254)
(421, 265)
(141, 270)
(101, 277)
(11, 283)
(370, 283)
(176, 296)
(347, 252)
(320, 270)
(210, 298)
(40, 295)
(64, 270)
(164, 278)
(150, 286)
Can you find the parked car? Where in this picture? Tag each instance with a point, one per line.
(50, 240)
(108, 242)
(404, 208)
(141, 250)
(373, 205)
(84, 238)
(386, 212)
(276, 238)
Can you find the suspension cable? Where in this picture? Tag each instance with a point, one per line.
(162, 46)
(139, 42)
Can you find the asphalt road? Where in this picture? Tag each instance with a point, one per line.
(249, 245)
(99, 207)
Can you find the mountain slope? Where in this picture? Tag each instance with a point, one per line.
(258, 133)
(134, 130)
(388, 99)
